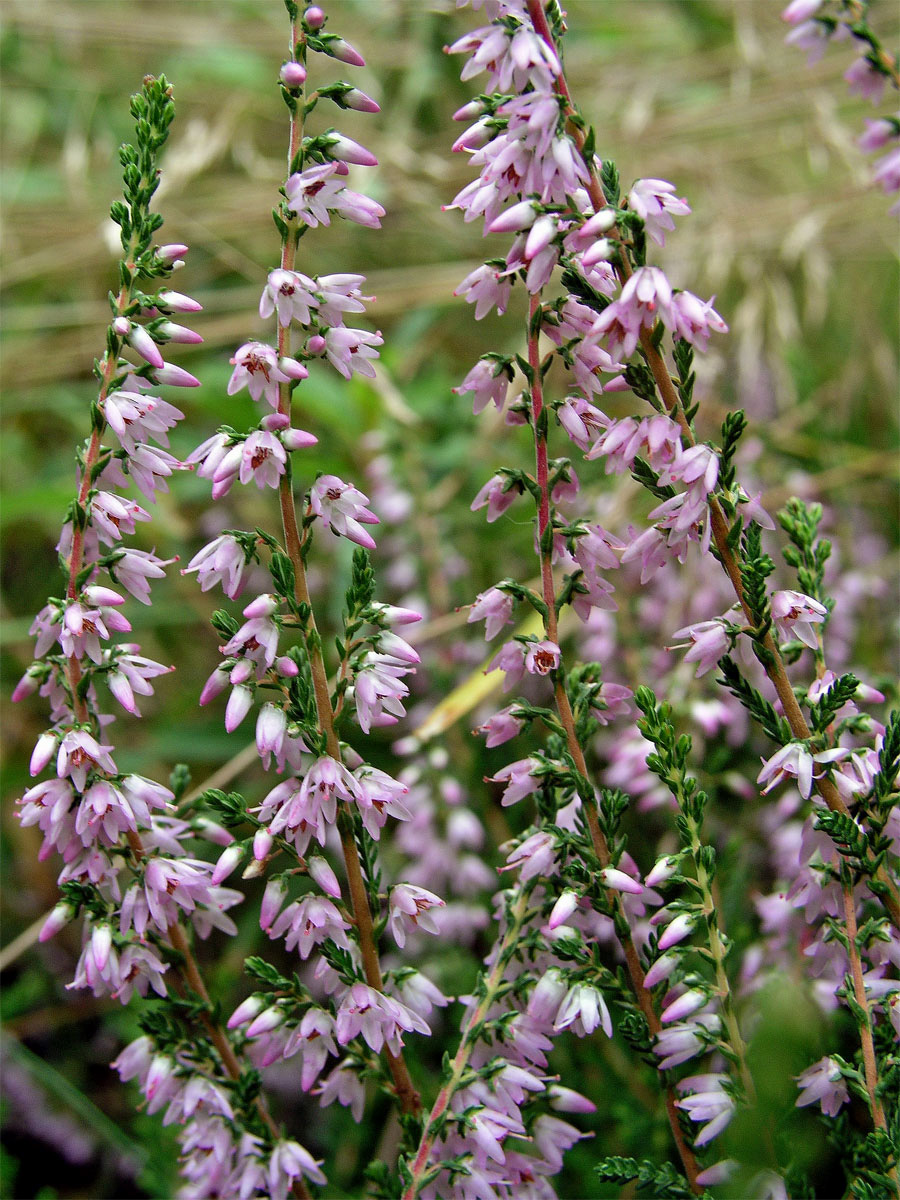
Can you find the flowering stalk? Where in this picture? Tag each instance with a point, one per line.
(725, 530)
(326, 784)
(108, 824)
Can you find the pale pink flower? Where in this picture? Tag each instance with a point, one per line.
(342, 507)
(291, 295)
(823, 1084)
(259, 368)
(795, 614)
(494, 608)
(654, 201)
(411, 904)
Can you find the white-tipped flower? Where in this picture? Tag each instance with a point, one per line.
(322, 873)
(620, 882)
(677, 930)
(227, 861)
(685, 1006)
(563, 908)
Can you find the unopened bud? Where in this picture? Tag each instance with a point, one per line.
(293, 75)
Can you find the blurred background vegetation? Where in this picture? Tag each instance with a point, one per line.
(786, 232)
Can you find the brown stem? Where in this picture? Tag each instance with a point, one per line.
(775, 668)
(564, 708)
(407, 1095)
(467, 1042)
(870, 1062)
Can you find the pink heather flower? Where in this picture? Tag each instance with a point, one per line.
(823, 1083)
(519, 780)
(342, 507)
(795, 761)
(113, 516)
(82, 628)
(78, 754)
(350, 350)
(684, 1006)
(263, 460)
(258, 368)
(693, 319)
(661, 969)
(708, 1102)
(621, 323)
(498, 494)
(345, 1086)
(500, 727)
(411, 904)
(346, 150)
(535, 856)
(709, 641)
(308, 922)
(488, 381)
(612, 702)
(221, 561)
(864, 80)
(583, 1010)
(541, 657)
(134, 568)
(887, 172)
(800, 10)
(510, 659)
(512, 59)
(486, 288)
(257, 641)
(379, 690)
(495, 609)
(654, 202)
(380, 1019)
(581, 421)
(877, 135)
(135, 418)
(811, 36)
(647, 295)
(290, 294)
(339, 294)
(289, 1161)
(680, 1043)
(130, 675)
(794, 615)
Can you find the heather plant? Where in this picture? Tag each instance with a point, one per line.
(674, 859)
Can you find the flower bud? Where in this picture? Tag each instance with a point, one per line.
(226, 863)
(563, 908)
(263, 606)
(61, 915)
(263, 841)
(360, 102)
(172, 253)
(619, 881)
(293, 75)
(178, 302)
(314, 18)
(663, 869)
(685, 1006)
(273, 898)
(26, 686)
(286, 667)
(246, 1011)
(661, 969)
(44, 749)
(316, 344)
(322, 873)
(676, 931)
(347, 150)
(168, 373)
(275, 422)
(267, 1020)
(297, 439)
(345, 53)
